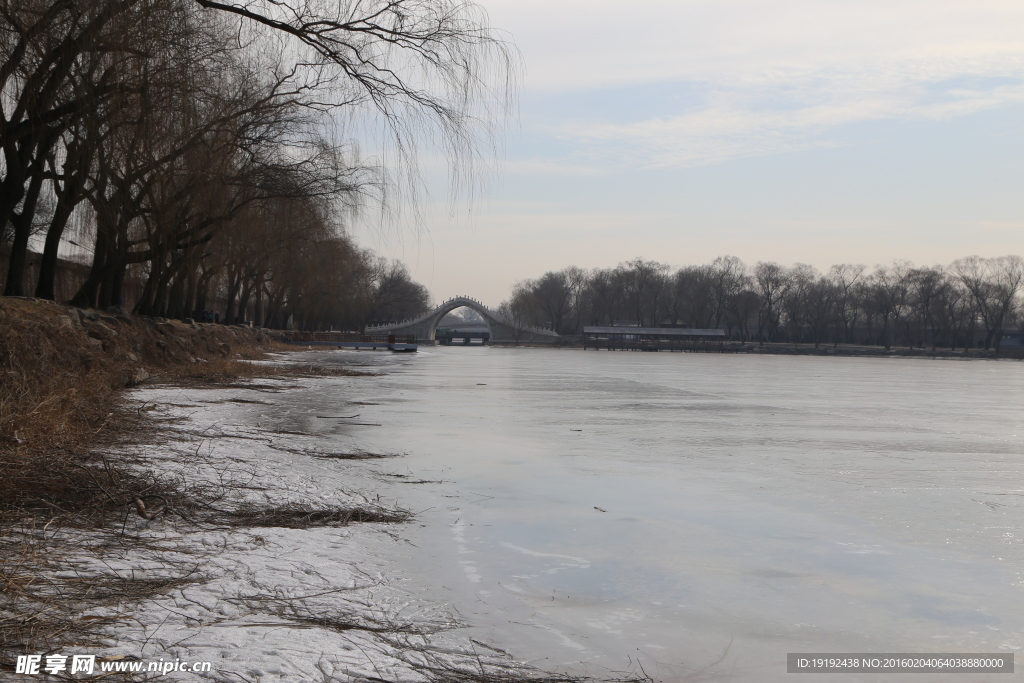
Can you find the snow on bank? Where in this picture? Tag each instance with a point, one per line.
(266, 604)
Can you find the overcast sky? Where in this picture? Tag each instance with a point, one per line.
(814, 131)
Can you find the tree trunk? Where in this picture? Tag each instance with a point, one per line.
(22, 223)
(161, 304)
(87, 293)
(146, 305)
(190, 295)
(234, 281)
(257, 311)
(45, 288)
(19, 255)
(68, 197)
(12, 190)
(243, 300)
(203, 288)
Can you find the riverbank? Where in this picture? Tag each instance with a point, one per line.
(68, 469)
(64, 373)
(863, 351)
(160, 503)
(840, 350)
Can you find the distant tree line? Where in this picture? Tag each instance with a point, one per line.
(199, 145)
(968, 303)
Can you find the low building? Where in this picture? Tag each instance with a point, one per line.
(653, 338)
(1011, 339)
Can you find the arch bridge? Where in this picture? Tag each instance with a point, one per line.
(503, 330)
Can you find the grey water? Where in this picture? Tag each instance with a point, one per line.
(700, 515)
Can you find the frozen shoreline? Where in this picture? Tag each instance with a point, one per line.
(582, 510)
(270, 603)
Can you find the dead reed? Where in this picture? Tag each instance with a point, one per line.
(347, 455)
(321, 370)
(47, 604)
(306, 517)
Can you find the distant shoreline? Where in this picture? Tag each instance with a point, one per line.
(850, 350)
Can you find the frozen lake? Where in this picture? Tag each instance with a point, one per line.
(701, 514)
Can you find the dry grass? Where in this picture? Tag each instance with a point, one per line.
(306, 517)
(71, 482)
(217, 371)
(47, 605)
(52, 381)
(62, 374)
(303, 370)
(61, 378)
(231, 372)
(349, 455)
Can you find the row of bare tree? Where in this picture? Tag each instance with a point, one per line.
(969, 303)
(201, 145)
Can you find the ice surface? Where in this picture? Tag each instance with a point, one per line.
(755, 505)
(713, 513)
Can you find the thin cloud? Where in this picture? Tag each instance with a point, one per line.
(555, 167)
(775, 77)
(744, 123)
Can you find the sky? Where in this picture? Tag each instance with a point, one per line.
(811, 131)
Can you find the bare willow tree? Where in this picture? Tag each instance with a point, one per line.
(520, 311)
(53, 70)
(771, 285)
(167, 118)
(393, 295)
(426, 71)
(994, 285)
(556, 295)
(845, 280)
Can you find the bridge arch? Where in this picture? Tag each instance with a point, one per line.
(502, 330)
(447, 307)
